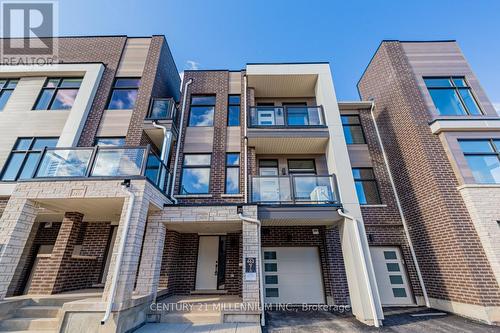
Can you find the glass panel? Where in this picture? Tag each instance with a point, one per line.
(232, 159)
(4, 98)
(29, 166)
(270, 267)
(201, 116)
(160, 109)
(271, 189)
(313, 189)
(390, 255)
(447, 102)
(234, 99)
(123, 99)
(399, 292)
(272, 292)
(71, 83)
(354, 134)
(301, 166)
(44, 99)
(118, 162)
(197, 159)
(116, 142)
(437, 82)
(297, 116)
(2, 82)
(271, 279)
(64, 100)
(13, 166)
(270, 255)
(65, 163)
(23, 144)
(12, 84)
(52, 83)
(315, 115)
(396, 279)
(459, 82)
(233, 180)
(203, 100)
(485, 168)
(41, 143)
(497, 144)
(470, 102)
(476, 146)
(233, 116)
(367, 192)
(195, 180)
(363, 173)
(152, 168)
(392, 266)
(127, 83)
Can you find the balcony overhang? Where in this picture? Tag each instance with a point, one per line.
(292, 215)
(288, 141)
(156, 134)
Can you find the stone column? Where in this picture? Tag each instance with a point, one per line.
(51, 274)
(152, 254)
(250, 250)
(15, 226)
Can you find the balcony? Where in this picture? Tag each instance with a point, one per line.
(102, 163)
(287, 129)
(164, 112)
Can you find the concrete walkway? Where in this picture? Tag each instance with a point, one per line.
(199, 328)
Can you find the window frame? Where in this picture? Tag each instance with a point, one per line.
(56, 89)
(200, 166)
(232, 166)
(370, 180)
(26, 153)
(5, 88)
(113, 88)
(495, 152)
(353, 125)
(229, 104)
(456, 89)
(202, 105)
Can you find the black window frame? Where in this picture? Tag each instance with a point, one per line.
(56, 89)
(315, 172)
(353, 125)
(495, 152)
(202, 105)
(370, 180)
(229, 104)
(5, 88)
(457, 89)
(26, 153)
(233, 166)
(200, 166)
(113, 88)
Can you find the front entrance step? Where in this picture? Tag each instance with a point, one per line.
(38, 311)
(19, 324)
(191, 318)
(208, 292)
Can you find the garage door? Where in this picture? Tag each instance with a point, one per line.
(390, 273)
(292, 275)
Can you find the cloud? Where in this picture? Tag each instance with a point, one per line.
(191, 64)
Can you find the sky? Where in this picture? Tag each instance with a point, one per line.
(227, 34)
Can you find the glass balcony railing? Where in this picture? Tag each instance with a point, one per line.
(286, 116)
(162, 109)
(294, 189)
(103, 162)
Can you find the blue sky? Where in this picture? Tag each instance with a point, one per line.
(223, 34)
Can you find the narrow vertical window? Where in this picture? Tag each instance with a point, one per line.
(232, 173)
(233, 110)
(366, 186)
(6, 89)
(353, 132)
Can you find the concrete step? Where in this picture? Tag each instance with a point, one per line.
(38, 311)
(19, 324)
(193, 318)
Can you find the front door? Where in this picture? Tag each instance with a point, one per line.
(207, 269)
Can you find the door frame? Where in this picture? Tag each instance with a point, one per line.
(221, 257)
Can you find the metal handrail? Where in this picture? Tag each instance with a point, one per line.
(252, 116)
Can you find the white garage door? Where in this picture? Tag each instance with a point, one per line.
(390, 273)
(292, 275)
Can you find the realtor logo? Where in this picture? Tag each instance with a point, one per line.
(24, 26)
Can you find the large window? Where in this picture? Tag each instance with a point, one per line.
(24, 156)
(6, 89)
(232, 173)
(452, 96)
(58, 94)
(366, 186)
(115, 141)
(233, 110)
(124, 94)
(202, 111)
(196, 174)
(483, 158)
(353, 132)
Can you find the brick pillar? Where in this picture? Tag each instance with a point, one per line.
(152, 254)
(250, 289)
(132, 250)
(51, 273)
(336, 268)
(15, 226)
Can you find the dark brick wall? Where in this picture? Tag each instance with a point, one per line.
(336, 267)
(450, 254)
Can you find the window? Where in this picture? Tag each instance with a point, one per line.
(366, 186)
(353, 132)
(196, 174)
(232, 173)
(301, 167)
(58, 94)
(110, 141)
(24, 157)
(6, 89)
(202, 111)
(268, 167)
(452, 96)
(483, 158)
(233, 111)
(124, 94)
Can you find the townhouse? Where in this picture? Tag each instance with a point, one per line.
(122, 186)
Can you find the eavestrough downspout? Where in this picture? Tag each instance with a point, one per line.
(400, 209)
(261, 283)
(119, 256)
(245, 138)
